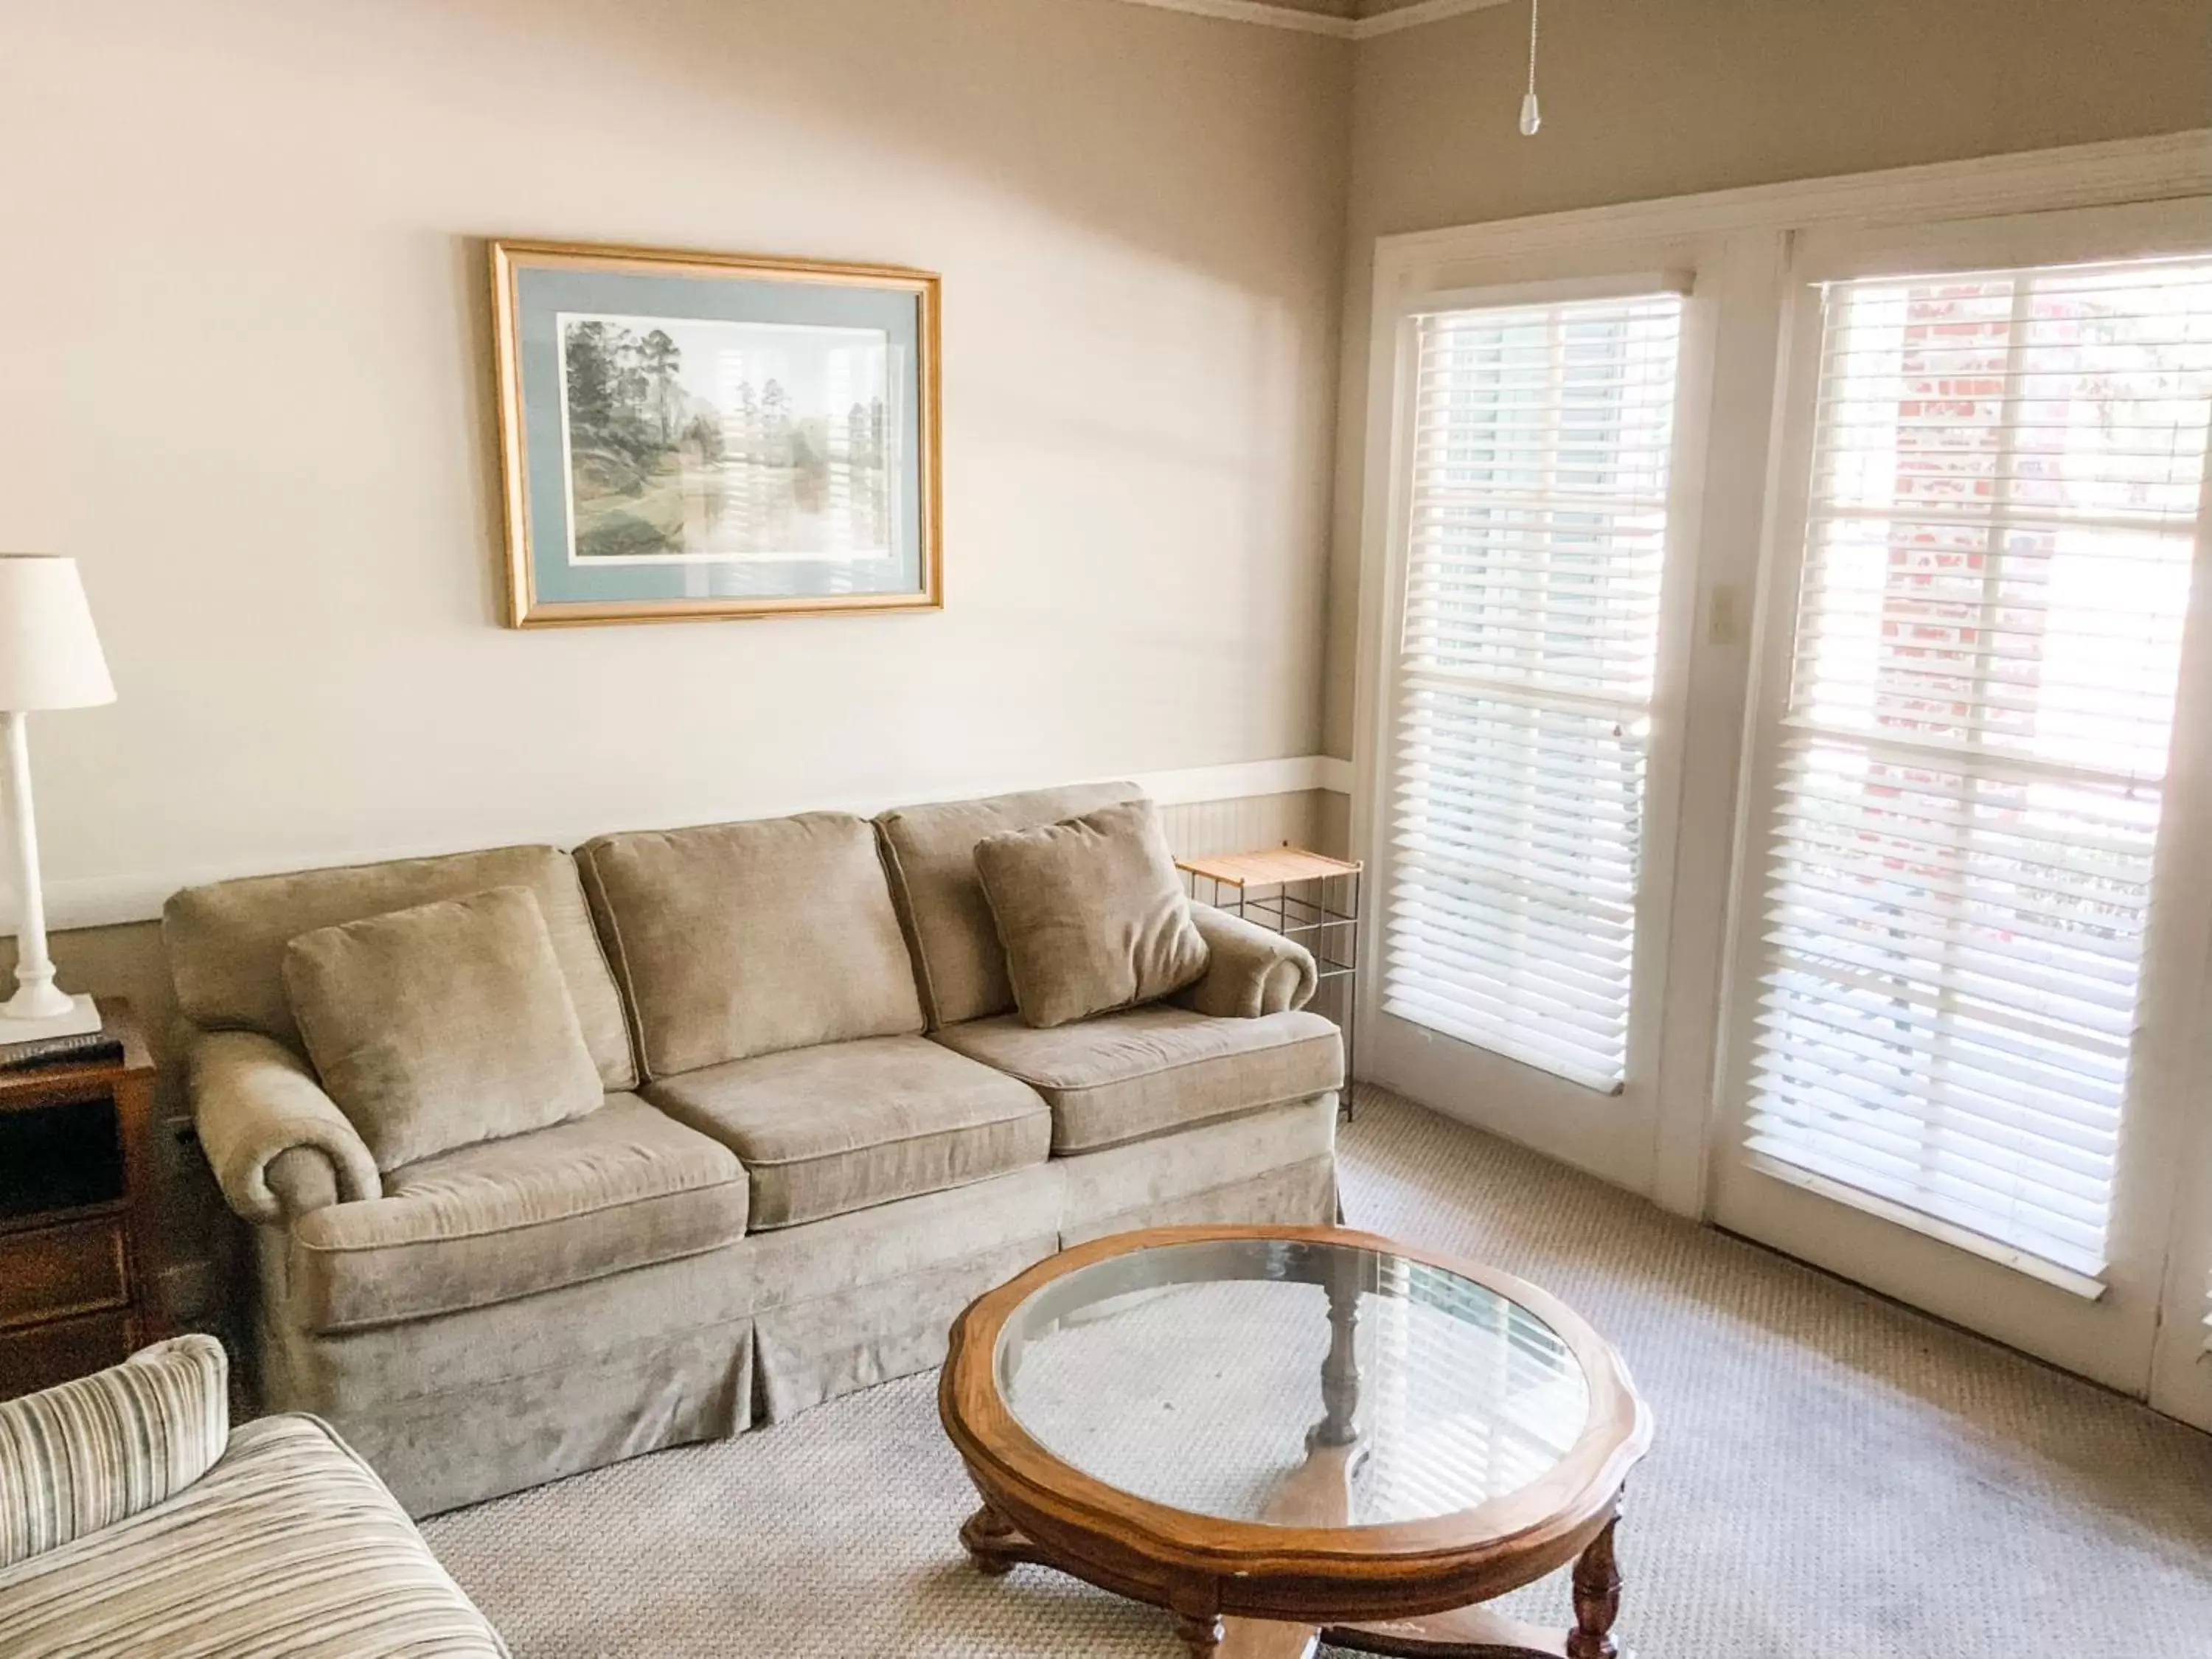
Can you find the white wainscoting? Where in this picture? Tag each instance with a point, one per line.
(1243, 824)
(1200, 804)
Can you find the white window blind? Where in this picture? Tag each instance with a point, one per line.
(2001, 523)
(1537, 517)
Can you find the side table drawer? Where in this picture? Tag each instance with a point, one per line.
(38, 1355)
(55, 1272)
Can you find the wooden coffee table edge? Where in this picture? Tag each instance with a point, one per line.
(1378, 1587)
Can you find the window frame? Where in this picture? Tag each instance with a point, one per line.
(1679, 283)
(1675, 1145)
(2108, 1331)
(1612, 1133)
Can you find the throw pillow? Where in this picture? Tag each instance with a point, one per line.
(1091, 913)
(441, 1025)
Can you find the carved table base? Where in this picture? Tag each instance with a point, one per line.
(996, 1545)
(1477, 1634)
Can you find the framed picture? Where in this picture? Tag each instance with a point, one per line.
(706, 435)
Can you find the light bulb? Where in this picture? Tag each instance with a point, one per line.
(1531, 117)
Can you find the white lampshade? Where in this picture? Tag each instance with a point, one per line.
(50, 656)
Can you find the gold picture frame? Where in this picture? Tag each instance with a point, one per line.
(645, 477)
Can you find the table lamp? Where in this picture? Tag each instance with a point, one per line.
(49, 659)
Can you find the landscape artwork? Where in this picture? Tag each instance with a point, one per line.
(725, 441)
(708, 436)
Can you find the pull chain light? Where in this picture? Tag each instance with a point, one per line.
(1531, 117)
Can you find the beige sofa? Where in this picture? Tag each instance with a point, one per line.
(135, 1525)
(825, 1130)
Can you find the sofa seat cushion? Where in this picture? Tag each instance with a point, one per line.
(1146, 1071)
(848, 1125)
(288, 1546)
(621, 1188)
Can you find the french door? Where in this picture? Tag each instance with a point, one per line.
(1937, 1016)
(1964, 1058)
(1526, 771)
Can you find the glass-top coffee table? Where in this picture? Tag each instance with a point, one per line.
(1281, 1433)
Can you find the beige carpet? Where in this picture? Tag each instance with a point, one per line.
(1834, 1476)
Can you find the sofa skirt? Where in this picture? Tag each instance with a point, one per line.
(474, 1405)
(470, 1405)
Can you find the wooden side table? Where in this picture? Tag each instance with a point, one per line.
(1306, 896)
(77, 1215)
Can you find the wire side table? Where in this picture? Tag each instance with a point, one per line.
(1306, 896)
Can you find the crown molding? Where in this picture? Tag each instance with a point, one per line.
(1268, 14)
(1257, 11)
(1413, 16)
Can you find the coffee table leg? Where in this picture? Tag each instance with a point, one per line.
(1202, 1636)
(1477, 1633)
(993, 1543)
(1597, 1599)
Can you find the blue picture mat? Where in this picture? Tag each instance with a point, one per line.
(541, 295)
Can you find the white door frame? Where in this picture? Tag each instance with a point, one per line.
(1610, 1134)
(2100, 1330)
(1739, 243)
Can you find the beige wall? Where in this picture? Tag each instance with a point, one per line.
(1644, 99)
(247, 385)
(247, 379)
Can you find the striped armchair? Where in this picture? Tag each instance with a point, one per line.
(133, 1523)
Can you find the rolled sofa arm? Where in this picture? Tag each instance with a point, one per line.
(1250, 970)
(85, 1455)
(279, 1146)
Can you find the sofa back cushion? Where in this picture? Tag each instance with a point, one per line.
(84, 1455)
(930, 854)
(443, 1024)
(226, 941)
(736, 939)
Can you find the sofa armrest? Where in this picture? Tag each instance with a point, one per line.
(1249, 971)
(90, 1453)
(279, 1146)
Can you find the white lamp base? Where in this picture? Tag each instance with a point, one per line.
(80, 1018)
